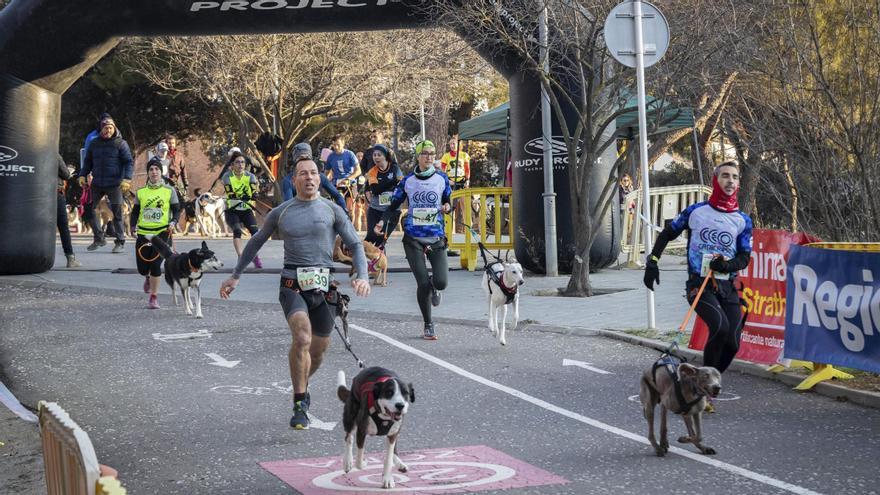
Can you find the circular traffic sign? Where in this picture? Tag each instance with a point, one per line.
(620, 33)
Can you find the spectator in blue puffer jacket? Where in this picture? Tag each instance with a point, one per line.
(108, 159)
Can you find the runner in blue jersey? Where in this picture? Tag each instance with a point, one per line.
(720, 240)
(428, 191)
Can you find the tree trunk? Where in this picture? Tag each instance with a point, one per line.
(793, 191)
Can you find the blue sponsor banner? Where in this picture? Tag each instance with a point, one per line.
(832, 312)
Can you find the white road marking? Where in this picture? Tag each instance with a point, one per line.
(586, 366)
(584, 419)
(218, 360)
(168, 337)
(321, 425)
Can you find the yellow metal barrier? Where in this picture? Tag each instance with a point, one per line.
(497, 236)
(822, 372)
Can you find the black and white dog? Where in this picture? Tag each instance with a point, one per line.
(184, 271)
(501, 283)
(375, 405)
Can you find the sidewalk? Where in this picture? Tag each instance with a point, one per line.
(620, 304)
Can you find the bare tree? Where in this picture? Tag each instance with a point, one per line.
(294, 86)
(584, 79)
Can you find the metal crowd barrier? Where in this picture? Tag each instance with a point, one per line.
(666, 203)
(69, 458)
(494, 222)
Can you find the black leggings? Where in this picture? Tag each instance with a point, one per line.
(63, 227)
(373, 217)
(415, 256)
(721, 310)
(235, 219)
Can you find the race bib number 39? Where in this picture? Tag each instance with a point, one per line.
(151, 215)
(424, 216)
(313, 278)
(385, 198)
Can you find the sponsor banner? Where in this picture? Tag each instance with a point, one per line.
(764, 293)
(833, 310)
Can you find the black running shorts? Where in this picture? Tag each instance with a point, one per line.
(311, 302)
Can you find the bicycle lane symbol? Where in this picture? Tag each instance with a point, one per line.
(473, 468)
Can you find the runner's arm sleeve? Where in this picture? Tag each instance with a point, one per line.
(175, 206)
(396, 200)
(333, 192)
(135, 213)
(175, 211)
(352, 241)
(673, 230)
(256, 242)
(447, 191)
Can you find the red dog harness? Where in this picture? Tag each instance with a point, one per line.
(366, 391)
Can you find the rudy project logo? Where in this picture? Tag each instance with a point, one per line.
(557, 145)
(7, 153)
(227, 5)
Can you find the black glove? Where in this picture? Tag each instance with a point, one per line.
(719, 265)
(652, 274)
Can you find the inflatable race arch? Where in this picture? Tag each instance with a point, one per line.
(46, 45)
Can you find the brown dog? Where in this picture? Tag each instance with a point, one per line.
(377, 262)
(683, 389)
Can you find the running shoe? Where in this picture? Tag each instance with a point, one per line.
(154, 302)
(429, 332)
(146, 285)
(257, 263)
(300, 418)
(96, 244)
(118, 248)
(436, 296)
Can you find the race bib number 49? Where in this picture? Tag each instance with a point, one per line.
(424, 216)
(151, 215)
(313, 278)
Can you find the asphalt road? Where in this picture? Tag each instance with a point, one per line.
(171, 422)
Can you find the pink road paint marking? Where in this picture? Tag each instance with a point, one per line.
(453, 470)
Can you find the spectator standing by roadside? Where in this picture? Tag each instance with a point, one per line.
(176, 174)
(108, 160)
(63, 227)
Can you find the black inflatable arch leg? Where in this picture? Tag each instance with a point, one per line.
(29, 123)
(528, 183)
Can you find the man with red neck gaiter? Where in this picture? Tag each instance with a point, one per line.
(720, 243)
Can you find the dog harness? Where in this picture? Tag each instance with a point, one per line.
(383, 426)
(496, 276)
(671, 365)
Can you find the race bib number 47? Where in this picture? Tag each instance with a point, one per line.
(424, 216)
(313, 278)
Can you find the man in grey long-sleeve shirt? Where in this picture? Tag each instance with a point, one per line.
(308, 224)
